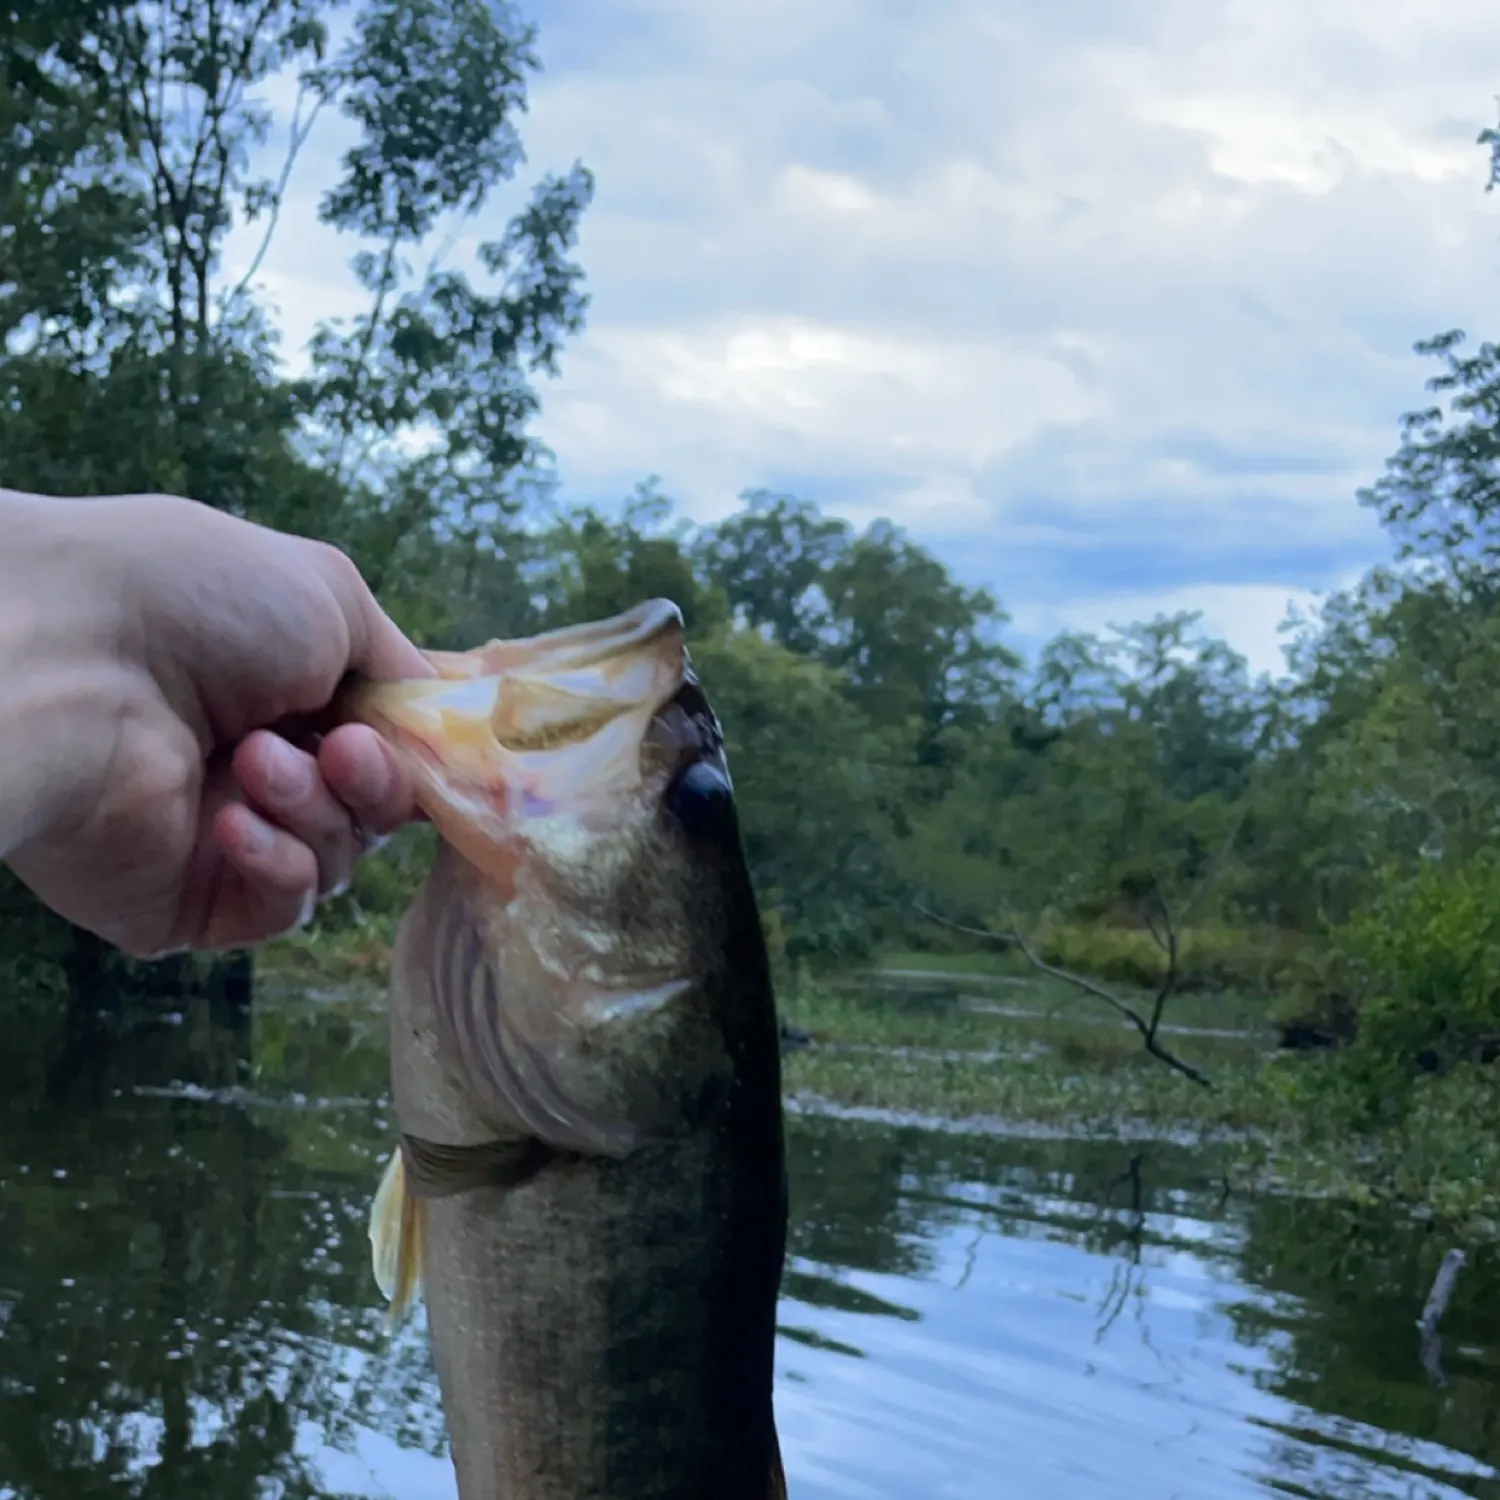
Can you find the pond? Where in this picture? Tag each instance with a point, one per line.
(187, 1308)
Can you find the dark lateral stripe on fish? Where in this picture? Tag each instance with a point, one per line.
(436, 1170)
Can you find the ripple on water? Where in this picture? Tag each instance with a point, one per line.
(185, 1290)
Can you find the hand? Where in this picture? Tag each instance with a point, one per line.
(157, 658)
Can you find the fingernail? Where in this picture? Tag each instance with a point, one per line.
(337, 891)
(309, 909)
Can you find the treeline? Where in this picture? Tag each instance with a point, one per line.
(1328, 834)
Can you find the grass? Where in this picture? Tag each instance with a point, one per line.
(349, 955)
(1028, 1060)
(1005, 1048)
(1028, 1064)
(946, 963)
(1009, 985)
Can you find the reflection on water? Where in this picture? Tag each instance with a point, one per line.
(186, 1306)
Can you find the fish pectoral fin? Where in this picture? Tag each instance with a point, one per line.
(397, 1230)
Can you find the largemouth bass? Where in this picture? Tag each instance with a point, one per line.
(589, 1189)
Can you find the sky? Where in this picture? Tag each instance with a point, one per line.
(1111, 304)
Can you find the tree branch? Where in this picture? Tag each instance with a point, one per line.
(359, 371)
(300, 130)
(1167, 940)
(1148, 1029)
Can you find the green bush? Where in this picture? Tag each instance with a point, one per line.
(1210, 958)
(1320, 995)
(1427, 958)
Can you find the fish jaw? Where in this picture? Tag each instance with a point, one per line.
(567, 723)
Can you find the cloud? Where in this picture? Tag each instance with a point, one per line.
(1250, 616)
(1106, 302)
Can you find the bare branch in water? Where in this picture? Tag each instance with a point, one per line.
(1442, 1291)
(1437, 1305)
(1148, 1027)
(1166, 939)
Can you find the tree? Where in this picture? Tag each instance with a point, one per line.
(129, 362)
(770, 559)
(817, 787)
(915, 645)
(145, 170)
(1440, 493)
(589, 567)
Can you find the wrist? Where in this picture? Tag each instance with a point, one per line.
(61, 674)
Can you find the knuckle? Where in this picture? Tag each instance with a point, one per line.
(337, 563)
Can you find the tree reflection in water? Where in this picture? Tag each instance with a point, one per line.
(187, 1309)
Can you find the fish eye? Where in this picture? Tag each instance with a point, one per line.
(700, 799)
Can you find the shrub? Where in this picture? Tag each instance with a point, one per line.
(1210, 958)
(1427, 959)
(1319, 1004)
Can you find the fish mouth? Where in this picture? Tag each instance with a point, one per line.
(575, 717)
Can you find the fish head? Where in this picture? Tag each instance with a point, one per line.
(575, 944)
(540, 752)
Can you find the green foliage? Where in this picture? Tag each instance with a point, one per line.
(1320, 995)
(769, 560)
(33, 944)
(1211, 959)
(817, 786)
(912, 643)
(594, 567)
(1440, 494)
(128, 362)
(1281, 1121)
(1428, 954)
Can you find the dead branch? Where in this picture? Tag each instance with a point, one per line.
(1060, 1005)
(1148, 1028)
(1431, 1353)
(1441, 1293)
(1166, 939)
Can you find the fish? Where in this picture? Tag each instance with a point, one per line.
(589, 1190)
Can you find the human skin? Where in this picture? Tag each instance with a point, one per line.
(162, 667)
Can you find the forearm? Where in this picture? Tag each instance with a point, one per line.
(60, 682)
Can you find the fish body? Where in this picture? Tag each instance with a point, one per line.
(589, 1191)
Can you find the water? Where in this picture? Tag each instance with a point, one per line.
(186, 1306)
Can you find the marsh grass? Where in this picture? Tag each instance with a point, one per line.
(1212, 959)
(991, 983)
(1003, 1049)
(1034, 1064)
(1029, 1061)
(948, 963)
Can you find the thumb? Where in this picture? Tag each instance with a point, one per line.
(377, 647)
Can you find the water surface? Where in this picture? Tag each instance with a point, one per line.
(187, 1310)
